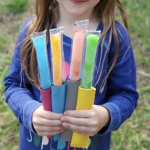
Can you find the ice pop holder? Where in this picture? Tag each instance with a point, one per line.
(46, 101)
(70, 104)
(58, 102)
(85, 101)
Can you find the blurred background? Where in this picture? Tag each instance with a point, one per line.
(134, 134)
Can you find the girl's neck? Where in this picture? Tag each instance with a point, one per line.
(63, 18)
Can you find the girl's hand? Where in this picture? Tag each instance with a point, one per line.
(87, 122)
(46, 123)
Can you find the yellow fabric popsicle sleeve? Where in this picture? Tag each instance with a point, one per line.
(57, 59)
(85, 101)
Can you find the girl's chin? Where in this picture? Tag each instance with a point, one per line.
(76, 12)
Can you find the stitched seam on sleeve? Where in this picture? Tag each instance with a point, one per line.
(118, 111)
(24, 109)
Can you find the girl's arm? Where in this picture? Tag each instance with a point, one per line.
(122, 96)
(18, 95)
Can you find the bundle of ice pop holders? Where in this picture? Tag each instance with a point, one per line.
(59, 95)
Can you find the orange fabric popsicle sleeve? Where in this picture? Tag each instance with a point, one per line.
(77, 49)
(57, 59)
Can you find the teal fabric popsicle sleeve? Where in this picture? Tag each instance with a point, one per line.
(58, 102)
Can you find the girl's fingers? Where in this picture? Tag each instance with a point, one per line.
(76, 121)
(79, 129)
(78, 113)
(50, 115)
(84, 133)
(45, 122)
(48, 129)
(40, 112)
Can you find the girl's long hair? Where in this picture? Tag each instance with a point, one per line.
(45, 19)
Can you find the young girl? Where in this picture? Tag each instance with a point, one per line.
(114, 76)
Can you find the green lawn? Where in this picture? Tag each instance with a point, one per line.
(134, 133)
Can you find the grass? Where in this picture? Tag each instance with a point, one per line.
(139, 20)
(3, 43)
(139, 23)
(8, 125)
(9, 135)
(134, 133)
(16, 6)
